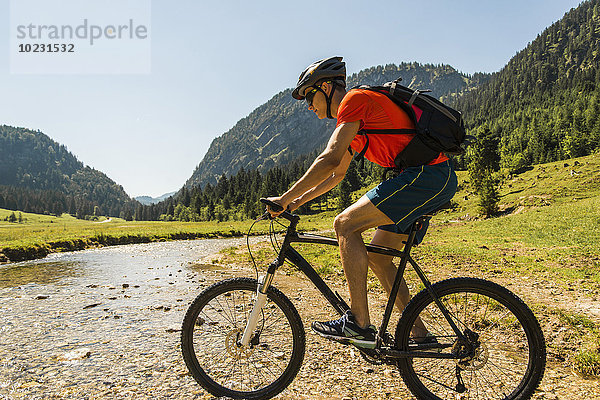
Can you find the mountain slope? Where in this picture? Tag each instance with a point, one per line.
(283, 129)
(38, 174)
(544, 105)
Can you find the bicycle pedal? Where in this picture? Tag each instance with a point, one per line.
(371, 356)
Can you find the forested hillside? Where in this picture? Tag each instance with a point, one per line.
(545, 104)
(283, 129)
(41, 176)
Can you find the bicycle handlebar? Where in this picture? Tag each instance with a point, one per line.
(276, 207)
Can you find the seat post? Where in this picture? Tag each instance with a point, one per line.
(412, 234)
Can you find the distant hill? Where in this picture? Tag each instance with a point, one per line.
(544, 105)
(282, 129)
(147, 200)
(40, 175)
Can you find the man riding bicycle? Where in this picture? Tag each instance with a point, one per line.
(392, 206)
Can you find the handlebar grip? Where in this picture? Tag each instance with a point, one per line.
(285, 214)
(274, 206)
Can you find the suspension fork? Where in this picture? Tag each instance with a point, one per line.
(264, 282)
(261, 299)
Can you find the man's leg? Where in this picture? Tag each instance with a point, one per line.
(349, 226)
(385, 270)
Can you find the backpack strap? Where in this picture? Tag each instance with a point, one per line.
(366, 132)
(360, 157)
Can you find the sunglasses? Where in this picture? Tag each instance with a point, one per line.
(310, 96)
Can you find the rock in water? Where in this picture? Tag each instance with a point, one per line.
(76, 354)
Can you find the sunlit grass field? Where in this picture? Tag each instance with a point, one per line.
(36, 235)
(549, 223)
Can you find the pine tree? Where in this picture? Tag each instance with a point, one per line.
(344, 195)
(488, 195)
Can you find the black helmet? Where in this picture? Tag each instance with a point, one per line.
(332, 67)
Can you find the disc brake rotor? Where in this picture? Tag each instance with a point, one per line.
(233, 349)
(476, 362)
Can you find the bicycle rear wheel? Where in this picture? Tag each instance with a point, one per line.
(213, 326)
(503, 358)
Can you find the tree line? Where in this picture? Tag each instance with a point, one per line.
(237, 197)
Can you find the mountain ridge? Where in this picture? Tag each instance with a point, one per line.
(283, 129)
(147, 200)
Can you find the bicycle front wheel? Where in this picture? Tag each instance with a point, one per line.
(502, 357)
(213, 327)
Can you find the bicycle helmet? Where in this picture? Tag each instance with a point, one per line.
(329, 68)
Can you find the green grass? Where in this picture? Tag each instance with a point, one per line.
(587, 362)
(549, 226)
(37, 229)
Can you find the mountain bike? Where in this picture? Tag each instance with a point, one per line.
(243, 338)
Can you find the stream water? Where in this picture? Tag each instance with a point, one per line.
(102, 323)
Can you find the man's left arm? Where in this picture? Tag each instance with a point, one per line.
(325, 186)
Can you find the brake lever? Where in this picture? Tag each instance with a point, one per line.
(266, 215)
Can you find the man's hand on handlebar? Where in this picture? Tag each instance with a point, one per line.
(273, 209)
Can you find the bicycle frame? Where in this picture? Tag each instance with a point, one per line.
(287, 252)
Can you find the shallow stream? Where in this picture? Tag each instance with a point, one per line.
(102, 323)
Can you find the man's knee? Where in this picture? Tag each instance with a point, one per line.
(342, 225)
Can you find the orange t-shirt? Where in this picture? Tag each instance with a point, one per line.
(375, 111)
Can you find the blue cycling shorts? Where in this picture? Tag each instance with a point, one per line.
(414, 192)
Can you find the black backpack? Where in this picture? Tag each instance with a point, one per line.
(438, 128)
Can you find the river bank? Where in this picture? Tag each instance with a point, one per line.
(39, 235)
(36, 251)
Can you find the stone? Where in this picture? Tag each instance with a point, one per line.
(76, 354)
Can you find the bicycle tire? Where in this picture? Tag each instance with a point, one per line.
(509, 362)
(214, 322)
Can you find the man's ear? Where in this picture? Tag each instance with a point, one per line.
(327, 87)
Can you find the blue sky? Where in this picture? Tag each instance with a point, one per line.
(212, 63)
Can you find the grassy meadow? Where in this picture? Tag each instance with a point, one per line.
(37, 235)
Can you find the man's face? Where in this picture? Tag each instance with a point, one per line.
(315, 98)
